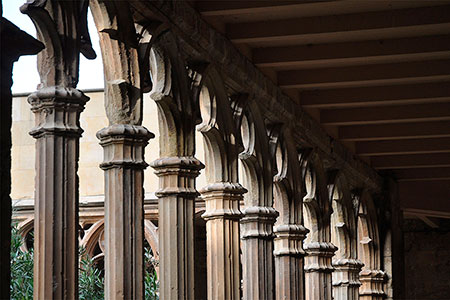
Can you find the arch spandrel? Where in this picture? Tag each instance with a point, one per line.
(317, 207)
(119, 46)
(217, 126)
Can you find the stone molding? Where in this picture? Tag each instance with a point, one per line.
(288, 240)
(57, 111)
(222, 200)
(372, 283)
(319, 257)
(257, 222)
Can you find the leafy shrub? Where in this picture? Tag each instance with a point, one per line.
(21, 268)
(90, 278)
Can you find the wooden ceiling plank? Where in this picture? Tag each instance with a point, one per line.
(390, 71)
(379, 95)
(245, 32)
(389, 114)
(286, 56)
(224, 8)
(394, 131)
(422, 174)
(398, 147)
(410, 161)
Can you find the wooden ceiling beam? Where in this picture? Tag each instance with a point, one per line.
(349, 51)
(386, 114)
(225, 8)
(422, 174)
(399, 147)
(379, 95)
(336, 76)
(246, 32)
(410, 161)
(394, 131)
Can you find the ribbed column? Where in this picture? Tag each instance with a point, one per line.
(257, 252)
(371, 285)
(57, 132)
(318, 270)
(222, 216)
(289, 256)
(346, 279)
(124, 166)
(176, 195)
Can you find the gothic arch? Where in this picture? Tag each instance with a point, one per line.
(317, 212)
(371, 276)
(259, 215)
(344, 235)
(288, 229)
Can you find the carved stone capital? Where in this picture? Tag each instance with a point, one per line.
(222, 200)
(346, 272)
(288, 240)
(258, 221)
(177, 175)
(371, 283)
(57, 111)
(124, 146)
(319, 257)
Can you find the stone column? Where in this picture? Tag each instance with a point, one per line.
(289, 256)
(371, 285)
(318, 270)
(222, 216)
(346, 279)
(257, 252)
(57, 132)
(124, 166)
(176, 195)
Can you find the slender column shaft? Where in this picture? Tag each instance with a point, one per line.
(371, 285)
(176, 195)
(318, 270)
(57, 132)
(289, 256)
(223, 242)
(124, 166)
(346, 279)
(257, 252)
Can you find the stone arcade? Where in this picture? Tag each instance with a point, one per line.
(301, 107)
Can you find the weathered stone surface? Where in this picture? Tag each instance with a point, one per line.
(318, 269)
(124, 209)
(222, 216)
(289, 255)
(57, 132)
(176, 195)
(346, 278)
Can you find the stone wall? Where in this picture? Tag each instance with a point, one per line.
(93, 118)
(427, 260)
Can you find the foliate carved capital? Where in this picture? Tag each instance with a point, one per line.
(177, 175)
(258, 222)
(319, 257)
(347, 272)
(124, 146)
(57, 111)
(371, 282)
(288, 240)
(222, 200)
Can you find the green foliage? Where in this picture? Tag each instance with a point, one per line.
(90, 279)
(21, 268)
(150, 277)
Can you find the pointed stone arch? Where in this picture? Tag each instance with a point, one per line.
(317, 212)
(259, 214)
(344, 235)
(369, 252)
(289, 230)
